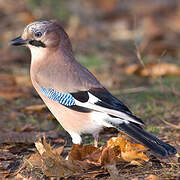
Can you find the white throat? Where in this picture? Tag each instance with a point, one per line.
(36, 53)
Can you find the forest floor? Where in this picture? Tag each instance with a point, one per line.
(145, 76)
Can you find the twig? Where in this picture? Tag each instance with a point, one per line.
(138, 54)
(169, 124)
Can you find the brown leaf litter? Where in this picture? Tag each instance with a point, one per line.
(87, 161)
(14, 86)
(153, 69)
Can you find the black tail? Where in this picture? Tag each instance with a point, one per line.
(153, 143)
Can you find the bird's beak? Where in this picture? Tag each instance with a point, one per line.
(18, 41)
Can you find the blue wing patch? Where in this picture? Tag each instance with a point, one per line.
(64, 99)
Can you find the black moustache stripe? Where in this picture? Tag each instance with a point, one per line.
(37, 43)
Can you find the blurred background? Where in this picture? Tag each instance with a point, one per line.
(131, 46)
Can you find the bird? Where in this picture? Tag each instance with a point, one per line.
(73, 94)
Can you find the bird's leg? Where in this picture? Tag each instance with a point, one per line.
(96, 137)
(76, 138)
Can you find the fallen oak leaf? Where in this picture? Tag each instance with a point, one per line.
(128, 151)
(82, 159)
(88, 156)
(119, 148)
(53, 164)
(153, 69)
(152, 177)
(132, 153)
(108, 160)
(80, 152)
(108, 156)
(34, 161)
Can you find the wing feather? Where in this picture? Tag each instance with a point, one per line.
(86, 101)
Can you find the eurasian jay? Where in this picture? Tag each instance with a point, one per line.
(73, 95)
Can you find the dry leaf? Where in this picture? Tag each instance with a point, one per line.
(40, 147)
(88, 156)
(36, 108)
(10, 93)
(22, 80)
(59, 150)
(128, 151)
(80, 152)
(108, 156)
(83, 158)
(15, 80)
(153, 69)
(152, 177)
(34, 161)
(54, 165)
(19, 177)
(11, 86)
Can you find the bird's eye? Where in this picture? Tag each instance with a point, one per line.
(38, 34)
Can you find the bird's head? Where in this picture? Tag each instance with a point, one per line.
(40, 35)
